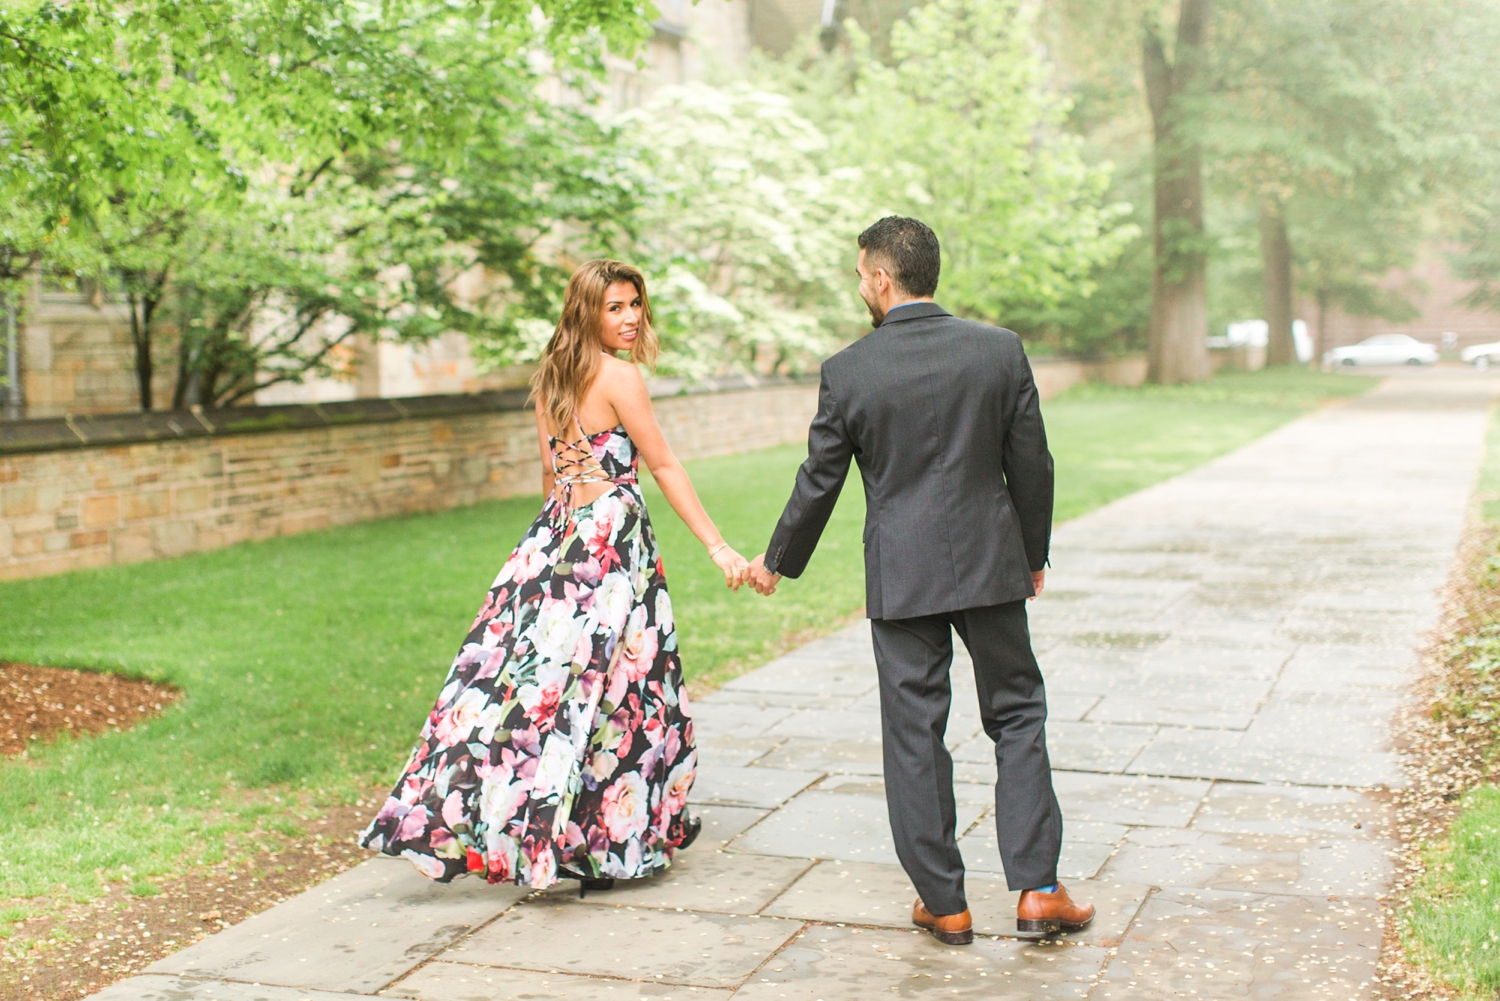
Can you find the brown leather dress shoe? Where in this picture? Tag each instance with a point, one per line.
(950, 929)
(1051, 912)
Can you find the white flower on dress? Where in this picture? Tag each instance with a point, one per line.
(664, 619)
(624, 810)
(602, 765)
(640, 646)
(612, 601)
(554, 766)
(556, 631)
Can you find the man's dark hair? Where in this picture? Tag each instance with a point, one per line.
(908, 250)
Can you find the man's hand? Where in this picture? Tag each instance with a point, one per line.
(1038, 581)
(762, 579)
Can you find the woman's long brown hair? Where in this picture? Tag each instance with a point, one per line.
(571, 359)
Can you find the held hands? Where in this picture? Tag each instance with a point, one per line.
(736, 570)
(762, 579)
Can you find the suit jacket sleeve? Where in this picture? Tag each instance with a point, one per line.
(1028, 470)
(818, 484)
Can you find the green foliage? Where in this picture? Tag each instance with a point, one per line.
(962, 129)
(746, 226)
(280, 175)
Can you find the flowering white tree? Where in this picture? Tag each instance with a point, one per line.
(746, 231)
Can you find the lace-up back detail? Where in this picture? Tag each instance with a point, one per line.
(606, 457)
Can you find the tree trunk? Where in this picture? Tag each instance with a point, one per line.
(1322, 345)
(140, 336)
(1276, 283)
(1179, 316)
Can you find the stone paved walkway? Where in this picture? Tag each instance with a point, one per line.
(1222, 651)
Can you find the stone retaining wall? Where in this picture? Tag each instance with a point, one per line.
(201, 484)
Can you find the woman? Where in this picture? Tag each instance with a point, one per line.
(561, 744)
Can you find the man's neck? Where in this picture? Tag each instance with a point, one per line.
(903, 303)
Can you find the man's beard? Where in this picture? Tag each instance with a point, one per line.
(877, 315)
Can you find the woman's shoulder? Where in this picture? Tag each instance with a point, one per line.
(620, 372)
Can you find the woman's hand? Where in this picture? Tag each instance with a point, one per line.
(736, 568)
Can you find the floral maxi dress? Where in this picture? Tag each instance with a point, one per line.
(561, 741)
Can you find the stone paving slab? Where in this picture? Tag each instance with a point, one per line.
(1242, 808)
(856, 964)
(443, 981)
(1211, 944)
(357, 932)
(859, 893)
(159, 987)
(717, 882)
(552, 934)
(1271, 863)
(733, 785)
(836, 824)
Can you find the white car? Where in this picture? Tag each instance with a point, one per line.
(1481, 355)
(1384, 349)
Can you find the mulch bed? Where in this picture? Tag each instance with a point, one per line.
(39, 703)
(1443, 754)
(119, 934)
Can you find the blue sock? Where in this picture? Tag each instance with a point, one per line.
(1049, 888)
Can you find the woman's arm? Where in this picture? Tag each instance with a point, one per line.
(544, 440)
(632, 403)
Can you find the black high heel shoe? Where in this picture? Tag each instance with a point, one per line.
(587, 883)
(691, 828)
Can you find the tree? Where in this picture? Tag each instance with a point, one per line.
(1178, 346)
(149, 126)
(746, 228)
(963, 129)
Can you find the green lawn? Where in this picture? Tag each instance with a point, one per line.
(310, 662)
(1453, 924)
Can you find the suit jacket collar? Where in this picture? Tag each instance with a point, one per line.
(914, 311)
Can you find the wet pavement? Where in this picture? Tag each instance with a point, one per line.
(1223, 653)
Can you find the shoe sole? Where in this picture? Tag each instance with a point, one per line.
(949, 937)
(1036, 926)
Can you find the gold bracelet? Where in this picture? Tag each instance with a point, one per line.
(715, 550)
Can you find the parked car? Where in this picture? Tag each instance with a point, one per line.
(1384, 349)
(1481, 355)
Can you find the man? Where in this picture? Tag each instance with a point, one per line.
(943, 418)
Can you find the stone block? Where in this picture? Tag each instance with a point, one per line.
(101, 510)
(132, 543)
(848, 757)
(174, 538)
(147, 504)
(190, 500)
(82, 540)
(63, 522)
(18, 500)
(55, 542)
(584, 938)
(357, 932)
(7, 541)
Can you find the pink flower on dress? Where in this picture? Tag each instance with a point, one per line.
(679, 781)
(427, 865)
(640, 646)
(543, 866)
(413, 824)
(455, 725)
(624, 809)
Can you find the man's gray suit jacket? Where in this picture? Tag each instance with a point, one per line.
(942, 416)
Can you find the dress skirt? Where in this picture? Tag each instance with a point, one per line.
(561, 742)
